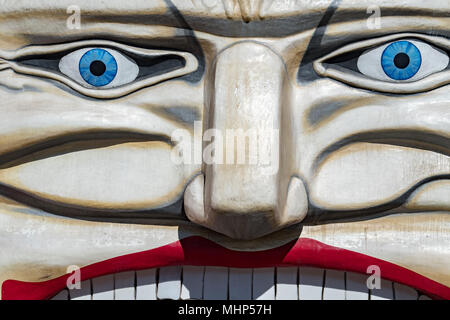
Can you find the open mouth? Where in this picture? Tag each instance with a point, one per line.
(197, 268)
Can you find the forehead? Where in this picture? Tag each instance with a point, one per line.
(215, 10)
(42, 22)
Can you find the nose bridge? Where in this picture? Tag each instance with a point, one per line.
(247, 196)
(245, 108)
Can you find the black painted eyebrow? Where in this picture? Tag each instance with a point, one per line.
(305, 71)
(194, 44)
(314, 45)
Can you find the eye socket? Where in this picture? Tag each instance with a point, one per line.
(404, 60)
(401, 63)
(99, 67)
(136, 68)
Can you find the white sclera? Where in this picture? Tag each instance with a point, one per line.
(433, 60)
(127, 69)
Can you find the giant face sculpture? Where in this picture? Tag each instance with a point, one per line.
(226, 141)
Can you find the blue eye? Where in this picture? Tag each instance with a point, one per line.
(401, 60)
(98, 67)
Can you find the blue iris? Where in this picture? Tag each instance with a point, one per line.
(401, 60)
(98, 67)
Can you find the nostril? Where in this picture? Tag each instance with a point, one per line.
(194, 200)
(296, 205)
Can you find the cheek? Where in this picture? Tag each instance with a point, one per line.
(370, 174)
(123, 176)
(359, 150)
(63, 147)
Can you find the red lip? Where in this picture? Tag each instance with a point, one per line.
(196, 250)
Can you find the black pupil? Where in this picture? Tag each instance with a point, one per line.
(97, 68)
(401, 60)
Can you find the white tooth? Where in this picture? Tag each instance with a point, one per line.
(296, 205)
(169, 283)
(310, 283)
(286, 286)
(215, 283)
(264, 284)
(386, 291)
(403, 292)
(240, 284)
(334, 288)
(63, 295)
(103, 288)
(424, 297)
(193, 200)
(356, 286)
(146, 284)
(84, 293)
(124, 286)
(192, 286)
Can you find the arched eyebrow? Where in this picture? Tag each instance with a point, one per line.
(193, 42)
(305, 71)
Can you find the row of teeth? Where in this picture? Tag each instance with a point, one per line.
(220, 283)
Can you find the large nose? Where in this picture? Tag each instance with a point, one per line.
(246, 189)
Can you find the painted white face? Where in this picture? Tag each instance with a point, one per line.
(250, 124)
